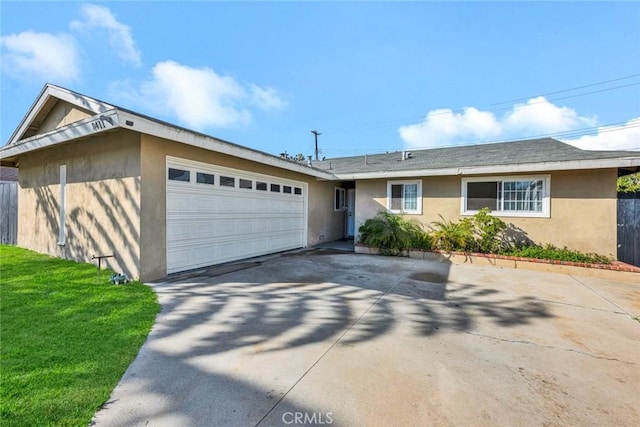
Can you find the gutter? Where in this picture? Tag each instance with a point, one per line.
(498, 169)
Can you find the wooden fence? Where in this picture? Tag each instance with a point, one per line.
(629, 228)
(8, 212)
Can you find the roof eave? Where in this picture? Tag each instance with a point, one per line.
(80, 129)
(499, 169)
(66, 95)
(152, 127)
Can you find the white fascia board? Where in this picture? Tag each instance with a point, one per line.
(520, 168)
(397, 174)
(89, 126)
(172, 133)
(51, 91)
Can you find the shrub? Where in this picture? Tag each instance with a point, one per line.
(554, 253)
(452, 235)
(489, 232)
(391, 233)
(629, 183)
(422, 241)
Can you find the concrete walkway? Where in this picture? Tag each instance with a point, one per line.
(321, 338)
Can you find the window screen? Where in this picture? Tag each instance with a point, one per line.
(396, 197)
(482, 195)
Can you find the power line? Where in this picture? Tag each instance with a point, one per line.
(566, 97)
(568, 90)
(570, 134)
(462, 110)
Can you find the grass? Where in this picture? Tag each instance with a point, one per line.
(66, 337)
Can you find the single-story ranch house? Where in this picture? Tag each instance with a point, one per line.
(96, 179)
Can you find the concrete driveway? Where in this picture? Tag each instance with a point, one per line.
(321, 338)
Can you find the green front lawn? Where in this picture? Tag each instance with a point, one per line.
(66, 337)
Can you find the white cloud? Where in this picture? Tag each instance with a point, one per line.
(198, 97)
(621, 137)
(541, 116)
(536, 117)
(100, 17)
(266, 98)
(46, 56)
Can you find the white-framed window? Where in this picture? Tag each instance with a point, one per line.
(339, 199)
(404, 197)
(63, 205)
(523, 196)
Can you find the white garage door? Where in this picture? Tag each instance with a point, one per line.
(217, 214)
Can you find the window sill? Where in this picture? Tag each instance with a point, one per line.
(511, 214)
(405, 212)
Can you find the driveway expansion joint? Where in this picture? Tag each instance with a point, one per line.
(604, 298)
(584, 353)
(345, 332)
(624, 313)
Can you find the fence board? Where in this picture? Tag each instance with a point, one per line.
(8, 212)
(629, 228)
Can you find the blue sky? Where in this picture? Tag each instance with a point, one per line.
(371, 77)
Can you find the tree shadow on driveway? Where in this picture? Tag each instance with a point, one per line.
(242, 340)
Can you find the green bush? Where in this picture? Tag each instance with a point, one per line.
(554, 253)
(489, 232)
(392, 233)
(481, 233)
(629, 183)
(453, 235)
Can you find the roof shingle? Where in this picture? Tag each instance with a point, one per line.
(503, 153)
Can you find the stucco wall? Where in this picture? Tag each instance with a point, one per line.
(102, 200)
(60, 115)
(583, 208)
(324, 224)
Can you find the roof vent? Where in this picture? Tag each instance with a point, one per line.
(406, 155)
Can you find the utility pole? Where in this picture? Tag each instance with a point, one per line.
(316, 133)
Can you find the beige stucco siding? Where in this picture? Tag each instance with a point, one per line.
(61, 115)
(323, 222)
(583, 208)
(102, 200)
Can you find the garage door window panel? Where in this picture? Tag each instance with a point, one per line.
(227, 181)
(205, 178)
(179, 175)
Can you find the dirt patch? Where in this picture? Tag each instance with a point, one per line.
(429, 276)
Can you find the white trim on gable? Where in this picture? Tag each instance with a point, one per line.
(79, 129)
(51, 91)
